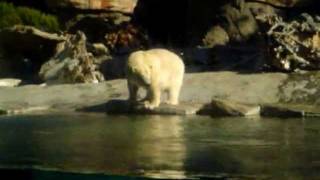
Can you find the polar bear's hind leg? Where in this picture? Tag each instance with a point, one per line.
(173, 94)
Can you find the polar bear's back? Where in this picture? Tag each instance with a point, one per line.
(165, 59)
(161, 64)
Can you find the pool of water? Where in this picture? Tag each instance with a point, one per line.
(171, 147)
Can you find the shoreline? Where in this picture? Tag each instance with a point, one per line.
(298, 92)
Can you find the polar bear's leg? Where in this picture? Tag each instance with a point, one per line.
(155, 96)
(174, 95)
(133, 90)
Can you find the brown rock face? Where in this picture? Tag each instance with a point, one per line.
(126, 6)
(288, 3)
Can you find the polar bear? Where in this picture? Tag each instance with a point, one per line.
(156, 70)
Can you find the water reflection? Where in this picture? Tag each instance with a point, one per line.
(162, 146)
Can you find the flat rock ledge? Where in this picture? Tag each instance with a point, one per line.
(228, 94)
(217, 108)
(123, 107)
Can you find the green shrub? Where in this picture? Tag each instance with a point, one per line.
(11, 15)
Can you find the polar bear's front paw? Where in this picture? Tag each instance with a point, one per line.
(149, 105)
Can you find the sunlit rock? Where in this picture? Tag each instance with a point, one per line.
(9, 82)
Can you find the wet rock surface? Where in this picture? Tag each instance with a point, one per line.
(225, 108)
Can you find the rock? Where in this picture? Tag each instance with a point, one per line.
(301, 88)
(114, 30)
(126, 38)
(238, 87)
(98, 49)
(220, 107)
(165, 109)
(25, 110)
(10, 82)
(288, 4)
(241, 24)
(235, 23)
(71, 63)
(259, 8)
(124, 107)
(126, 6)
(216, 36)
(104, 23)
(281, 112)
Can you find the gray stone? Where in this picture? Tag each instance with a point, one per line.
(229, 108)
(281, 112)
(9, 82)
(123, 107)
(301, 88)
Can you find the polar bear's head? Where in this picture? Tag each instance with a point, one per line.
(140, 75)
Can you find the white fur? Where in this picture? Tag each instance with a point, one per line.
(156, 70)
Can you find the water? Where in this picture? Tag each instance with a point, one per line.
(98, 145)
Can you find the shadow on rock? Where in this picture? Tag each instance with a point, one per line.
(111, 107)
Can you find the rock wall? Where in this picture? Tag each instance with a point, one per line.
(126, 6)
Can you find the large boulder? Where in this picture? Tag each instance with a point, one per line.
(219, 107)
(236, 22)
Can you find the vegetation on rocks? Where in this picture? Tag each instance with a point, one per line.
(11, 15)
